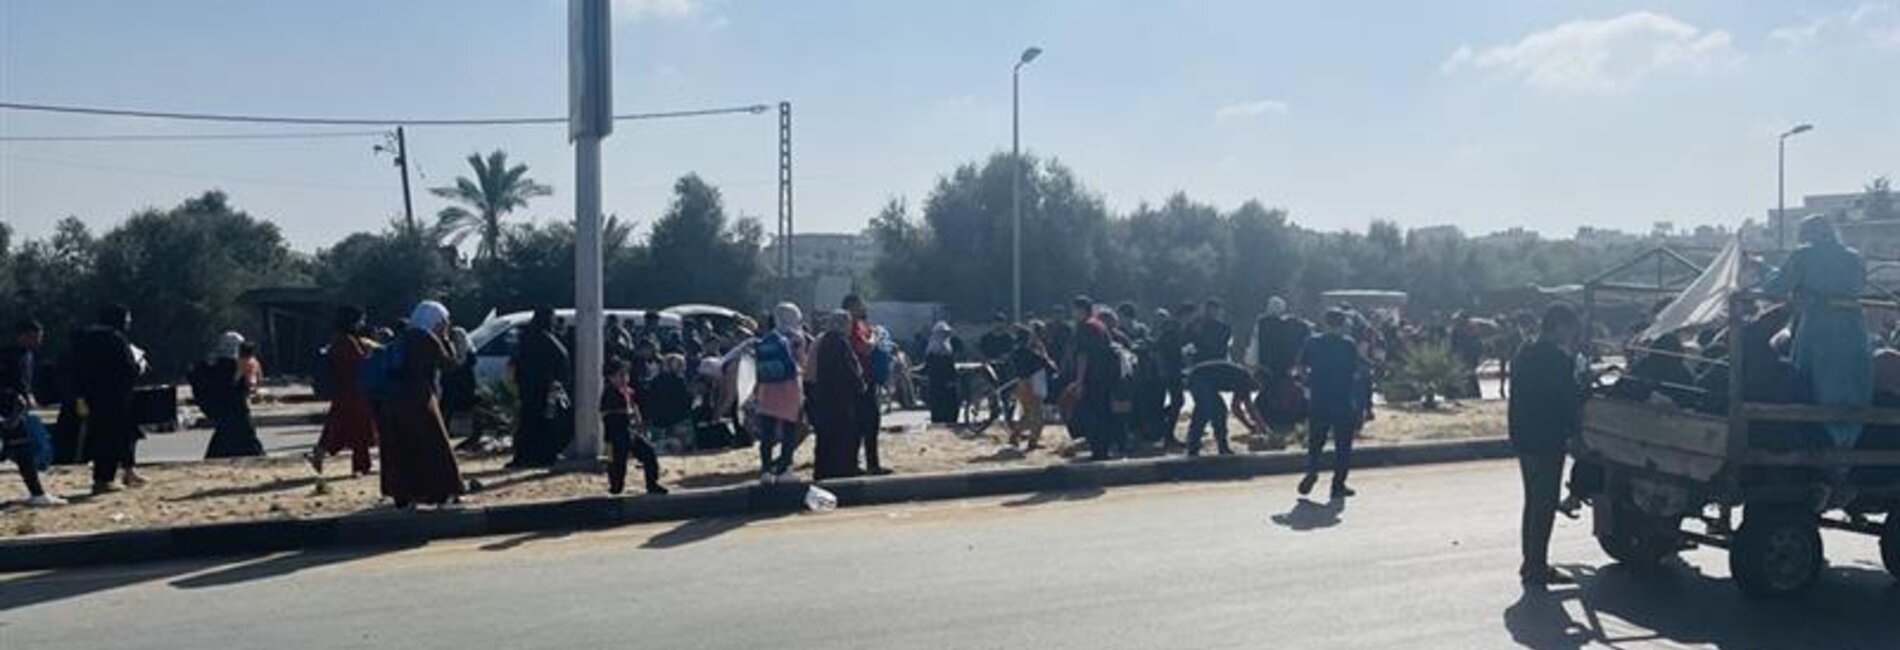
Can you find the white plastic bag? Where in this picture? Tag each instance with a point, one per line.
(818, 499)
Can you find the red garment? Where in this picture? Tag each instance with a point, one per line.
(861, 340)
(350, 424)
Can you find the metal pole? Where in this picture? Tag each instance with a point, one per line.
(1016, 195)
(402, 160)
(591, 108)
(1781, 193)
(785, 227)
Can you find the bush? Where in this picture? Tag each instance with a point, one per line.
(1430, 371)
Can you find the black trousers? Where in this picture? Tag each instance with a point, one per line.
(1543, 474)
(1209, 409)
(1171, 410)
(112, 441)
(639, 449)
(1342, 430)
(868, 425)
(1099, 424)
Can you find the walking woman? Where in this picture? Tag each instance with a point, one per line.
(1030, 366)
(418, 466)
(940, 374)
(833, 406)
(223, 391)
(350, 424)
(779, 394)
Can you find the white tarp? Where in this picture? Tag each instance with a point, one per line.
(1705, 301)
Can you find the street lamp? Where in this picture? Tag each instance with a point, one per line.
(1781, 184)
(1016, 184)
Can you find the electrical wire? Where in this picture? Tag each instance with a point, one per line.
(754, 109)
(189, 137)
(221, 178)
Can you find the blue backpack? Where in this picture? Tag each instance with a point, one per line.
(380, 374)
(882, 359)
(773, 358)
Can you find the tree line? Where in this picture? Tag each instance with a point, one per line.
(956, 249)
(182, 270)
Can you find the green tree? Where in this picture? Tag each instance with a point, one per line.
(697, 254)
(181, 272)
(388, 272)
(496, 190)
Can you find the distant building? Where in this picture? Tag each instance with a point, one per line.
(1852, 214)
(1435, 234)
(831, 254)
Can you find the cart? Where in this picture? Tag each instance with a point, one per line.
(1675, 478)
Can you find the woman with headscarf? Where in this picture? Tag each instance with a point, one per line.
(1823, 281)
(940, 374)
(782, 369)
(223, 392)
(350, 424)
(418, 466)
(833, 408)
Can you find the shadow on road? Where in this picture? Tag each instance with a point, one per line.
(1055, 496)
(524, 539)
(1851, 607)
(1308, 514)
(62, 584)
(699, 530)
(277, 566)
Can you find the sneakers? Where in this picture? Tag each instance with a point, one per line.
(45, 501)
(1341, 491)
(1306, 484)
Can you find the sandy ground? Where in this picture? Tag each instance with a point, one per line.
(266, 488)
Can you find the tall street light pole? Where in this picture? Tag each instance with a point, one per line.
(1781, 184)
(590, 118)
(1016, 183)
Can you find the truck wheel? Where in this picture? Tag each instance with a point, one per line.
(1890, 545)
(1776, 553)
(1638, 539)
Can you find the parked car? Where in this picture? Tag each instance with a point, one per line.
(494, 341)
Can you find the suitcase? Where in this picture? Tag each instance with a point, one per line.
(156, 406)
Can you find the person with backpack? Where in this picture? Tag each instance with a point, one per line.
(350, 424)
(624, 432)
(223, 392)
(541, 366)
(418, 465)
(779, 392)
(23, 438)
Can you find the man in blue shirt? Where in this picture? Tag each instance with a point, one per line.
(1331, 364)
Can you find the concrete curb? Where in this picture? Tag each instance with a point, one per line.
(387, 527)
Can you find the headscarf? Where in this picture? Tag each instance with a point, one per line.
(834, 321)
(1818, 230)
(229, 344)
(427, 315)
(788, 318)
(1276, 306)
(940, 339)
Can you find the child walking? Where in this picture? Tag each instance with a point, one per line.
(623, 428)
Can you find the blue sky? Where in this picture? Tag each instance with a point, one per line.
(1483, 113)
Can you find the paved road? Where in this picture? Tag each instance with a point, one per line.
(1425, 558)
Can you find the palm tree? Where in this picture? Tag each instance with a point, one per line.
(496, 190)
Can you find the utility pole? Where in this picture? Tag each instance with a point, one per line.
(1781, 184)
(401, 149)
(789, 284)
(590, 118)
(1016, 184)
(402, 160)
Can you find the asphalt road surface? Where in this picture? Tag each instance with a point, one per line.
(1424, 558)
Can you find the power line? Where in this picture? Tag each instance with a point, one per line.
(187, 137)
(336, 121)
(220, 178)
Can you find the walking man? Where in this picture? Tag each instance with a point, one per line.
(1331, 363)
(1545, 412)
